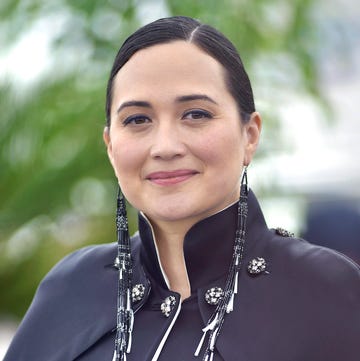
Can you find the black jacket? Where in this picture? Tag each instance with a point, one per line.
(305, 307)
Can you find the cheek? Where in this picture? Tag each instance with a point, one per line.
(127, 158)
(221, 149)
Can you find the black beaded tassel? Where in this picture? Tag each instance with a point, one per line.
(125, 315)
(226, 303)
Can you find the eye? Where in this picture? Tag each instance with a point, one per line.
(197, 114)
(138, 119)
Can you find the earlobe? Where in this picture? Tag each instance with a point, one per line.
(253, 130)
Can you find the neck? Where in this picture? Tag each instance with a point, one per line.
(207, 248)
(170, 241)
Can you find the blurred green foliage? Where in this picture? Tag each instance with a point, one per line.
(57, 189)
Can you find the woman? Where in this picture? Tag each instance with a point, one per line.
(206, 278)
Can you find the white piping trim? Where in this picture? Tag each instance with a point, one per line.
(157, 252)
(187, 274)
(228, 206)
(162, 342)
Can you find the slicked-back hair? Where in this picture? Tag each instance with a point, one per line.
(207, 38)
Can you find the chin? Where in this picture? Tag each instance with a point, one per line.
(170, 211)
(172, 216)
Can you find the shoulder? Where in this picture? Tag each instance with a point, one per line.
(82, 262)
(88, 260)
(83, 256)
(298, 250)
(308, 264)
(61, 316)
(86, 273)
(313, 292)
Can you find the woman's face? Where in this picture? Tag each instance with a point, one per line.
(176, 141)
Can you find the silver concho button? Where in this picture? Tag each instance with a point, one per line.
(168, 305)
(256, 266)
(214, 295)
(138, 292)
(283, 232)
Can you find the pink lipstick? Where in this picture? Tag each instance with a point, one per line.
(172, 177)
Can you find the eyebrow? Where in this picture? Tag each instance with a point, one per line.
(134, 103)
(180, 99)
(191, 97)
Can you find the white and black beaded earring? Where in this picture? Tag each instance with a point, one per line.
(226, 303)
(125, 315)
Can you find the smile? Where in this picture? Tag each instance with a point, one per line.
(171, 178)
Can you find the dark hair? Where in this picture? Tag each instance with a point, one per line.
(206, 38)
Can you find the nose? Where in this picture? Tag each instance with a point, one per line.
(167, 142)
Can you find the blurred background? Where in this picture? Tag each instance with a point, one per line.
(57, 189)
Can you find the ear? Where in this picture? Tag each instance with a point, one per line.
(252, 131)
(107, 141)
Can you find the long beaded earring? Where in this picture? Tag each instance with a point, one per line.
(125, 315)
(226, 303)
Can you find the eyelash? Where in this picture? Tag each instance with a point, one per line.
(203, 114)
(196, 114)
(134, 118)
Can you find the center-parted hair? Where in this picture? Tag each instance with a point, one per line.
(207, 38)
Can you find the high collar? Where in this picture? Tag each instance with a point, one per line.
(208, 245)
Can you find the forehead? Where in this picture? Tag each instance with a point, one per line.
(178, 66)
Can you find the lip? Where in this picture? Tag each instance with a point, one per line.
(171, 177)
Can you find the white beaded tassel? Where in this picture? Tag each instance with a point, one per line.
(125, 315)
(226, 303)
